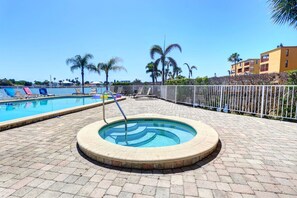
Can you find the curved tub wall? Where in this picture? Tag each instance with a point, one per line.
(92, 145)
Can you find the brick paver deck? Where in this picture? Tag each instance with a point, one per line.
(256, 157)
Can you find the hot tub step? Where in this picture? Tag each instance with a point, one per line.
(147, 138)
(131, 135)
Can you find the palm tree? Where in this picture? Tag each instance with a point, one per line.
(81, 63)
(177, 71)
(234, 58)
(150, 68)
(284, 11)
(156, 49)
(190, 69)
(111, 65)
(167, 69)
(153, 69)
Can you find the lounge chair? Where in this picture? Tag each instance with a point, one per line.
(29, 93)
(43, 92)
(12, 93)
(77, 91)
(148, 94)
(93, 91)
(139, 92)
(120, 90)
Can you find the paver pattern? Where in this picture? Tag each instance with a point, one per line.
(256, 158)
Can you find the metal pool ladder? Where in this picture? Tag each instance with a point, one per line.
(121, 110)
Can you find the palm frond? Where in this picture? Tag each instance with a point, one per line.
(74, 67)
(118, 68)
(193, 67)
(156, 63)
(71, 61)
(92, 68)
(156, 49)
(284, 11)
(172, 62)
(187, 65)
(113, 61)
(171, 47)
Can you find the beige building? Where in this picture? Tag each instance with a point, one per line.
(249, 66)
(279, 60)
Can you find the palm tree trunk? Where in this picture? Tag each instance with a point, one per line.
(82, 80)
(163, 71)
(153, 78)
(235, 68)
(106, 81)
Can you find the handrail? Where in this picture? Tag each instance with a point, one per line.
(106, 91)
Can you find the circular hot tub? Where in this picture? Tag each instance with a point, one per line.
(152, 141)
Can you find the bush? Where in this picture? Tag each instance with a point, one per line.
(121, 83)
(292, 77)
(202, 81)
(187, 81)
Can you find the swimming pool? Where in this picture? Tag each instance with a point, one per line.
(148, 133)
(22, 109)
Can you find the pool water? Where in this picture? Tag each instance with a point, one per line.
(20, 109)
(148, 133)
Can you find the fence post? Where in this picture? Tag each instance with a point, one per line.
(194, 96)
(165, 92)
(262, 101)
(221, 98)
(175, 93)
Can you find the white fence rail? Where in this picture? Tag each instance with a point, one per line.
(277, 101)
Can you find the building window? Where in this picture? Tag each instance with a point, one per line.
(256, 61)
(264, 67)
(246, 63)
(287, 52)
(239, 70)
(246, 69)
(265, 58)
(287, 63)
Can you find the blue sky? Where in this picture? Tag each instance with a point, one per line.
(36, 37)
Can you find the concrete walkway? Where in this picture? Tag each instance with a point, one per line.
(256, 157)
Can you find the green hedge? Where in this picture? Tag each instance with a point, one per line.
(187, 81)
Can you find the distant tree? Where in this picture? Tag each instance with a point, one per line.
(136, 82)
(87, 82)
(163, 53)
(82, 63)
(27, 83)
(177, 71)
(167, 69)
(36, 82)
(46, 82)
(11, 80)
(152, 68)
(190, 68)
(234, 58)
(284, 11)
(111, 65)
(5, 82)
(280, 45)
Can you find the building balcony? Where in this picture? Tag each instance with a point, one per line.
(264, 60)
